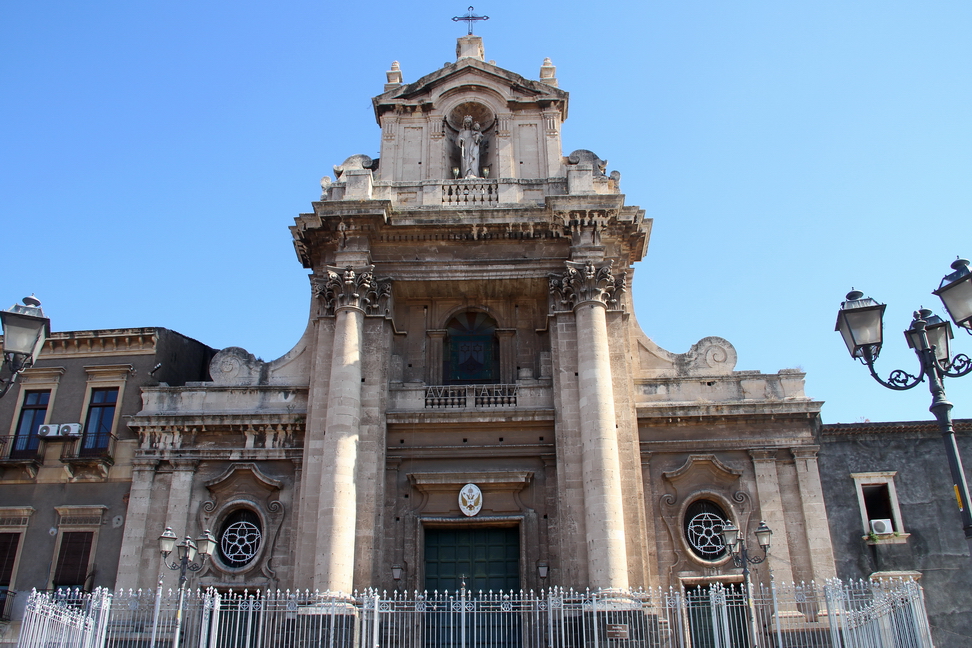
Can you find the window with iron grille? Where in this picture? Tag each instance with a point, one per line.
(240, 538)
(704, 520)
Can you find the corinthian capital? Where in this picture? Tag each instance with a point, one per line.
(352, 287)
(584, 282)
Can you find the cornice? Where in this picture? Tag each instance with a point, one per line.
(694, 413)
(113, 342)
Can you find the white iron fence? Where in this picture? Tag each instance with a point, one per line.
(838, 615)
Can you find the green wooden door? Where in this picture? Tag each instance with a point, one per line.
(487, 559)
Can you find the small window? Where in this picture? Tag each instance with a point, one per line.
(240, 538)
(101, 417)
(878, 500)
(33, 412)
(704, 520)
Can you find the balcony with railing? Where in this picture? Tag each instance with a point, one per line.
(21, 453)
(91, 451)
(522, 395)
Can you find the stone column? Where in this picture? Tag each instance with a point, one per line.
(177, 511)
(814, 513)
(348, 293)
(771, 511)
(589, 290)
(338, 508)
(133, 553)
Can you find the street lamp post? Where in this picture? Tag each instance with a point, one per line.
(736, 544)
(25, 328)
(187, 550)
(860, 322)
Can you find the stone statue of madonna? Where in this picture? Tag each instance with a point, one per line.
(470, 141)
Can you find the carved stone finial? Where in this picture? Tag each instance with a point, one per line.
(325, 187)
(548, 72)
(394, 76)
(352, 287)
(584, 282)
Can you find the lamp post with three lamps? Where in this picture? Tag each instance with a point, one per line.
(736, 544)
(860, 322)
(187, 551)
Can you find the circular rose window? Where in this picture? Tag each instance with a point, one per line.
(704, 520)
(239, 539)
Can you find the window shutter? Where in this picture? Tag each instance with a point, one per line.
(72, 560)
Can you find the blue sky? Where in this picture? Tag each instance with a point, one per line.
(153, 154)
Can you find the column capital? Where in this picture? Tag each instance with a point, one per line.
(805, 452)
(187, 465)
(351, 287)
(583, 282)
(145, 463)
(763, 454)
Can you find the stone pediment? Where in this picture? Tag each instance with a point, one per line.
(474, 76)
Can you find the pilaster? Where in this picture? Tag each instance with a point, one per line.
(507, 355)
(177, 511)
(814, 512)
(771, 511)
(433, 356)
(133, 556)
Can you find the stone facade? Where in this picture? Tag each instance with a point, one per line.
(898, 472)
(472, 379)
(470, 324)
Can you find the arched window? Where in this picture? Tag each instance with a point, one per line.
(704, 520)
(471, 350)
(240, 538)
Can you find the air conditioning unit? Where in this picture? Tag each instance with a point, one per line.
(71, 429)
(49, 431)
(881, 527)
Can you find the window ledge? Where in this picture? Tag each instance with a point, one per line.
(887, 538)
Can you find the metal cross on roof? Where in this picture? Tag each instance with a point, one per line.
(470, 18)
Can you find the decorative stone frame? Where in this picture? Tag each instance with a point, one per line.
(435, 346)
(885, 477)
(243, 486)
(33, 379)
(501, 495)
(702, 476)
(14, 519)
(84, 519)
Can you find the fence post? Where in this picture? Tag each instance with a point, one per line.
(374, 629)
(835, 614)
(215, 619)
(776, 615)
(100, 602)
(155, 614)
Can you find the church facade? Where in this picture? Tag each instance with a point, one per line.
(473, 401)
